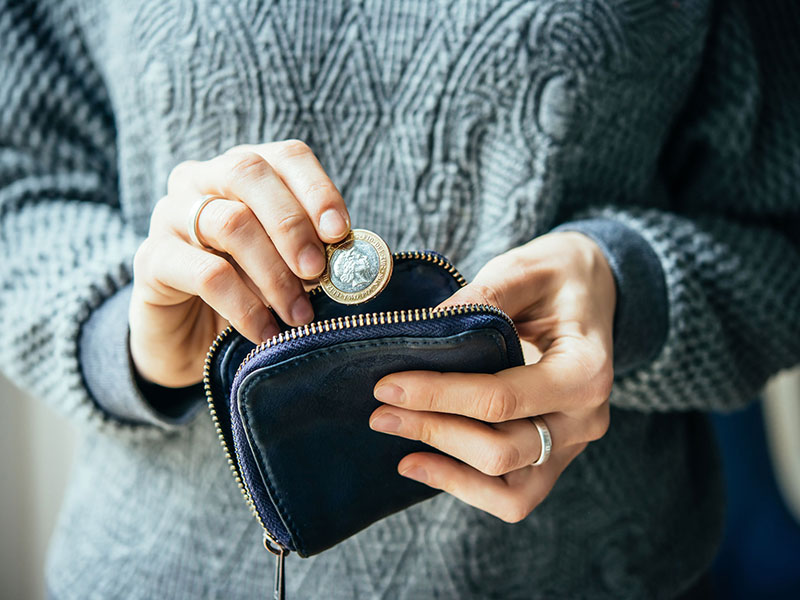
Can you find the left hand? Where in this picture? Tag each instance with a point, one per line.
(560, 292)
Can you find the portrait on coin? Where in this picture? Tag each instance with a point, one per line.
(355, 268)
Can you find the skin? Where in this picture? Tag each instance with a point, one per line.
(560, 292)
(265, 240)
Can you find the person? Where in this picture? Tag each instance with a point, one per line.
(620, 178)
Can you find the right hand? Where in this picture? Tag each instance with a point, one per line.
(266, 235)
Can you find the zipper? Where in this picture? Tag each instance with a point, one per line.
(270, 543)
(315, 328)
(410, 315)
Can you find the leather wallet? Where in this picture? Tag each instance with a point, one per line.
(293, 413)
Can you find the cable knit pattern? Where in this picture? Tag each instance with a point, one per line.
(465, 127)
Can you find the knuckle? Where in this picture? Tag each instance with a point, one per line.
(213, 272)
(293, 148)
(432, 397)
(501, 460)
(283, 280)
(141, 258)
(515, 511)
(599, 424)
(487, 294)
(180, 175)
(322, 192)
(239, 149)
(512, 262)
(247, 165)
(288, 223)
(448, 485)
(500, 404)
(252, 316)
(426, 432)
(159, 214)
(234, 220)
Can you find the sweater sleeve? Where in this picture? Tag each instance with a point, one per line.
(728, 239)
(66, 245)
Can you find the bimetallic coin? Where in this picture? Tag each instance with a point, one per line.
(358, 267)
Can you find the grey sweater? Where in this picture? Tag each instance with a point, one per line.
(668, 131)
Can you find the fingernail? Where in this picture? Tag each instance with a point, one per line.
(390, 393)
(332, 223)
(416, 473)
(311, 261)
(386, 422)
(302, 311)
(269, 332)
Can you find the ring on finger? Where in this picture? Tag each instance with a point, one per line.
(194, 218)
(545, 438)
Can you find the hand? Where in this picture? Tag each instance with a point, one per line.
(561, 294)
(266, 236)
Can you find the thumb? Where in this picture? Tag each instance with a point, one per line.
(498, 284)
(474, 293)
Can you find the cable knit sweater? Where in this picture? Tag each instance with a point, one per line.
(668, 131)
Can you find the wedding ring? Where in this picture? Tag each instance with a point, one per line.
(545, 438)
(194, 218)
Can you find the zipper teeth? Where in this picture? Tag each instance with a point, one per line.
(410, 315)
(317, 327)
(240, 482)
(385, 318)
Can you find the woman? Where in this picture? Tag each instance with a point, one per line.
(654, 144)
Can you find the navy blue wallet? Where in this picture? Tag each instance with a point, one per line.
(293, 413)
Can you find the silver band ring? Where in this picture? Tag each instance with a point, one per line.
(194, 218)
(545, 438)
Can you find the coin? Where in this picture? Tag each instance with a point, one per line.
(358, 267)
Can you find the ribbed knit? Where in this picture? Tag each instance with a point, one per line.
(465, 127)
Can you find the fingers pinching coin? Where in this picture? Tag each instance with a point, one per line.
(357, 268)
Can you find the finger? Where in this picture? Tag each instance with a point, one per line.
(564, 379)
(231, 226)
(303, 174)
(247, 177)
(493, 450)
(199, 273)
(510, 497)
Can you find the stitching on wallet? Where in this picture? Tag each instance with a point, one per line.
(314, 354)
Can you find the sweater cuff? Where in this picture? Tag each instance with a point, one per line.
(641, 318)
(111, 376)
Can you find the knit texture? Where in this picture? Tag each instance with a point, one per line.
(464, 127)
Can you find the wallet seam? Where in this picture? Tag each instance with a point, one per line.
(312, 355)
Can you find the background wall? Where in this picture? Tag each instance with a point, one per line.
(36, 449)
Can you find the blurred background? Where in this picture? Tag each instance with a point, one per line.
(36, 450)
(759, 557)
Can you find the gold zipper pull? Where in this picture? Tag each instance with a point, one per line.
(280, 553)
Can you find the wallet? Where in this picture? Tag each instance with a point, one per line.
(292, 413)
